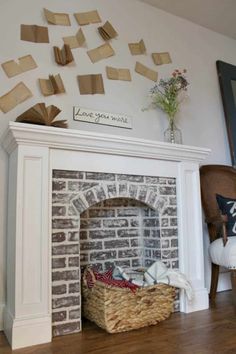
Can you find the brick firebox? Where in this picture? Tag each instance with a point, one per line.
(105, 219)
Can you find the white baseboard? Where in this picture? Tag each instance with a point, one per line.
(27, 331)
(1, 316)
(198, 303)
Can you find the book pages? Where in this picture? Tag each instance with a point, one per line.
(107, 31)
(102, 52)
(161, 58)
(12, 68)
(52, 86)
(27, 63)
(91, 84)
(63, 56)
(85, 18)
(17, 95)
(145, 71)
(137, 48)
(34, 33)
(75, 41)
(55, 18)
(118, 74)
(40, 114)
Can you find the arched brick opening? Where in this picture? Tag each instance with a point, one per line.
(122, 232)
(102, 191)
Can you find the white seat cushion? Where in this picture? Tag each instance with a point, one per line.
(224, 256)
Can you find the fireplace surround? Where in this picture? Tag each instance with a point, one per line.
(34, 153)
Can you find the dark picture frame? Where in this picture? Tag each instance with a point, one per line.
(227, 80)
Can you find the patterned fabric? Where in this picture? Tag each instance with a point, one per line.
(93, 275)
(227, 207)
(130, 275)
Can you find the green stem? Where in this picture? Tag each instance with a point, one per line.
(171, 120)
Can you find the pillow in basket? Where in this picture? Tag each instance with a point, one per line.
(227, 207)
(130, 275)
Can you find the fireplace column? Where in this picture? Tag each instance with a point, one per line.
(27, 316)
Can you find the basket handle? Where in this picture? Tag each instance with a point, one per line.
(88, 270)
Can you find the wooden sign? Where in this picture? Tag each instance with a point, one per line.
(90, 116)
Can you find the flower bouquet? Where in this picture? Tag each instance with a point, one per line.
(167, 96)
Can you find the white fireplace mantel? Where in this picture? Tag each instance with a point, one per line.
(69, 139)
(34, 151)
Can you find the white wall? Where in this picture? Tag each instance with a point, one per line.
(192, 47)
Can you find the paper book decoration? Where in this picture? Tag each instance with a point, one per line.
(57, 18)
(12, 68)
(52, 86)
(91, 84)
(102, 52)
(42, 115)
(137, 48)
(107, 31)
(145, 71)
(63, 56)
(17, 95)
(75, 41)
(118, 74)
(85, 18)
(161, 58)
(34, 33)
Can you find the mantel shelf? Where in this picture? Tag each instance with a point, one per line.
(70, 139)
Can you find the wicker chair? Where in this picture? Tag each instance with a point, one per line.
(219, 179)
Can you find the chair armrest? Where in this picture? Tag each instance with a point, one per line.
(220, 221)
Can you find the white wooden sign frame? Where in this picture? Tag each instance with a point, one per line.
(104, 118)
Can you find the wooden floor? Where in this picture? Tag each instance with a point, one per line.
(211, 331)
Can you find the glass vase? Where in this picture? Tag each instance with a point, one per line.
(173, 134)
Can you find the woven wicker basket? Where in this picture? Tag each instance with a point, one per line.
(119, 310)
